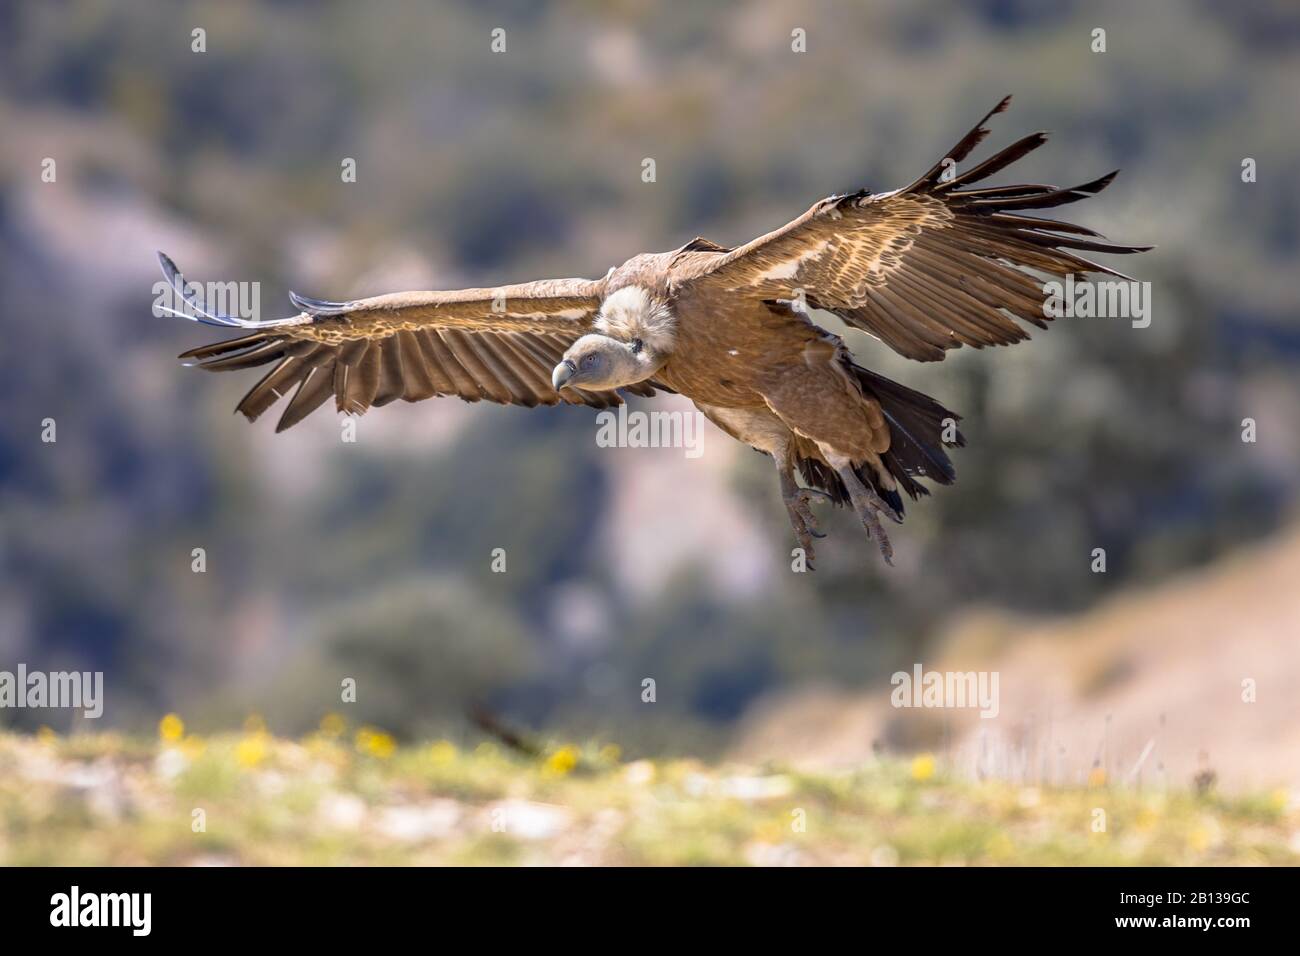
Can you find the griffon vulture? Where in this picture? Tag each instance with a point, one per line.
(926, 268)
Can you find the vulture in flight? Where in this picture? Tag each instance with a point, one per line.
(935, 265)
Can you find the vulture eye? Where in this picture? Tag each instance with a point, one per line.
(589, 360)
(637, 346)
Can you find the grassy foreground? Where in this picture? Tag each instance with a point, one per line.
(340, 797)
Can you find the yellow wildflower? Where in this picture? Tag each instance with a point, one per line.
(251, 751)
(562, 761)
(171, 728)
(923, 767)
(375, 742)
(1097, 777)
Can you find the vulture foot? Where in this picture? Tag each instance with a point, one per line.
(876, 530)
(802, 519)
(870, 506)
(798, 503)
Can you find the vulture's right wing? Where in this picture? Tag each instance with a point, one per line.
(497, 345)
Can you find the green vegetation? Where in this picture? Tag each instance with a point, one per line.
(341, 797)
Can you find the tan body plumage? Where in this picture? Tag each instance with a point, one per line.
(926, 268)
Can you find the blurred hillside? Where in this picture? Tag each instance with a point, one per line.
(371, 560)
(1188, 679)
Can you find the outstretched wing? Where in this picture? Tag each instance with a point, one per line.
(498, 345)
(926, 268)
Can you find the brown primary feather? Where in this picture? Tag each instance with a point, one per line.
(417, 375)
(313, 391)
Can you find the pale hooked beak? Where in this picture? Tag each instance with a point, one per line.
(563, 372)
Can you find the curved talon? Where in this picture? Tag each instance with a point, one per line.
(874, 528)
(800, 503)
(803, 536)
(804, 524)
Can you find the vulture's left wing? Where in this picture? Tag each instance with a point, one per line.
(926, 268)
(497, 345)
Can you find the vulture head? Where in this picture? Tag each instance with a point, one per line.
(633, 340)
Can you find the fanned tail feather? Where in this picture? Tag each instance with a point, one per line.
(916, 428)
(917, 449)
